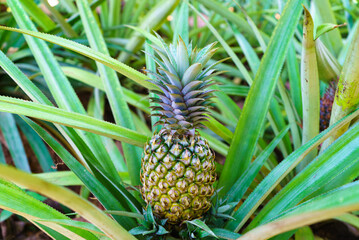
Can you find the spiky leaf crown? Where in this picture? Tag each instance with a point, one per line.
(183, 80)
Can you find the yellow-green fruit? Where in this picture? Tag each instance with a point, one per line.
(178, 173)
(178, 169)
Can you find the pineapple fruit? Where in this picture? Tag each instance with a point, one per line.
(326, 103)
(178, 168)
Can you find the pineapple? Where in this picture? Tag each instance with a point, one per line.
(326, 103)
(178, 168)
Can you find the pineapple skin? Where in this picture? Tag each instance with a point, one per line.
(326, 103)
(178, 174)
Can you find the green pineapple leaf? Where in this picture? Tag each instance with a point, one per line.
(201, 225)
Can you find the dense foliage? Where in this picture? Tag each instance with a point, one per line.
(85, 85)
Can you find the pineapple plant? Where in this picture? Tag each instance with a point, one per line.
(178, 168)
(258, 194)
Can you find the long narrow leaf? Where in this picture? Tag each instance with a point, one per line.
(14, 199)
(341, 155)
(324, 207)
(91, 79)
(88, 52)
(251, 122)
(113, 89)
(228, 49)
(98, 189)
(72, 223)
(278, 174)
(14, 142)
(181, 27)
(39, 16)
(58, 84)
(61, 178)
(240, 187)
(22, 81)
(69, 199)
(65, 26)
(239, 21)
(325, 14)
(152, 21)
(347, 94)
(102, 58)
(114, 16)
(310, 87)
(37, 145)
(76, 120)
(294, 78)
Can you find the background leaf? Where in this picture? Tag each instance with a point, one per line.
(250, 122)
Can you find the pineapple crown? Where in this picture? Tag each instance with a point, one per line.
(183, 79)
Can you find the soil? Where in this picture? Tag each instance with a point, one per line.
(335, 230)
(17, 229)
